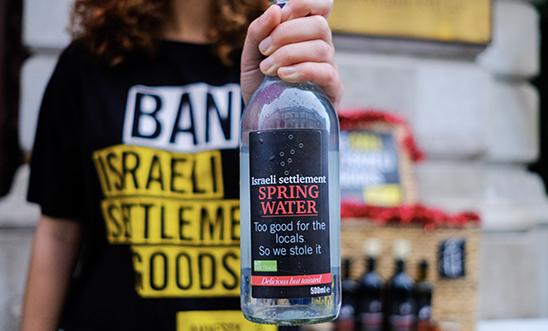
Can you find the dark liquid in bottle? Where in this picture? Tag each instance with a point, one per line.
(423, 298)
(399, 307)
(370, 298)
(347, 316)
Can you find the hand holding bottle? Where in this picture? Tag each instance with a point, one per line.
(293, 43)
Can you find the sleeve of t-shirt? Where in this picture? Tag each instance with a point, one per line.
(56, 180)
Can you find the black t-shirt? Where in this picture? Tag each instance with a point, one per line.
(145, 156)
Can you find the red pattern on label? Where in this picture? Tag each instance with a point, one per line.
(303, 280)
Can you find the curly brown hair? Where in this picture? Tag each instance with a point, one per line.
(114, 29)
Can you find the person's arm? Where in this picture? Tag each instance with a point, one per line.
(55, 249)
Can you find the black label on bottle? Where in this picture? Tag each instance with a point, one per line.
(347, 319)
(371, 322)
(402, 322)
(424, 313)
(403, 317)
(289, 214)
(371, 318)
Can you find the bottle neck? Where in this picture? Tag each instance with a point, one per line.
(400, 266)
(269, 79)
(423, 273)
(371, 263)
(346, 269)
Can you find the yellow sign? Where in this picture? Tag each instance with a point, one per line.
(459, 21)
(218, 320)
(387, 195)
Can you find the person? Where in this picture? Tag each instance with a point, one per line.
(135, 162)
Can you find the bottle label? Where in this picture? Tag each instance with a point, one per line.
(402, 322)
(289, 214)
(371, 321)
(403, 315)
(403, 318)
(347, 318)
(424, 313)
(371, 317)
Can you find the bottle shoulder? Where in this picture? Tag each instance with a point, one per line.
(401, 280)
(349, 285)
(371, 279)
(272, 89)
(423, 287)
(277, 104)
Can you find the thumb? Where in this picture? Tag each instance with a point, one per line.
(258, 30)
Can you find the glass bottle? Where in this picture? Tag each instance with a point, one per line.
(399, 305)
(347, 317)
(289, 202)
(423, 297)
(370, 291)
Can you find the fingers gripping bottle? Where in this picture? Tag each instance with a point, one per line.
(289, 200)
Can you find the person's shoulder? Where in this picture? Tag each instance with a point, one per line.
(75, 55)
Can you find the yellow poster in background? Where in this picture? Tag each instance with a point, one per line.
(459, 21)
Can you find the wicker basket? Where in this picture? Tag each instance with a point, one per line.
(454, 300)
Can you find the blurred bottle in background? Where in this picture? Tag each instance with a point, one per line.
(399, 304)
(347, 315)
(370, 315)
(423, 298)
